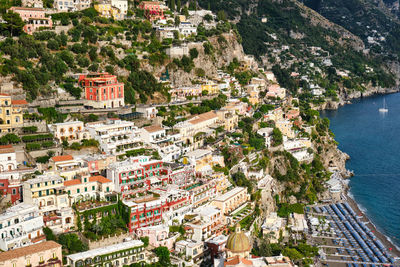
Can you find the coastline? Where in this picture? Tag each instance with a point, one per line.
(382, 237)
(387, 242)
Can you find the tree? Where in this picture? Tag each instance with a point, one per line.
(208, 18)
(177, 21)
(172, 5)
(221, 15)
(292, 253)
(163, 256)
(14, 24)
(145, 240)
(49, 234)
(193, 53)
(178, 6)
(72, 243)
(277, 137)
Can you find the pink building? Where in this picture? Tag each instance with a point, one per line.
(292, 114)
(153, 10)
(158, 235)
(34, 18)
(276, 91)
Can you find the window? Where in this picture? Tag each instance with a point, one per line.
(78, 190)
(9, 158)
(85, 189)
(14, 191)
(93, 188)
(69, 192)
(85, 180)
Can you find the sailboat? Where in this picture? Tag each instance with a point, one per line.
(384, 109)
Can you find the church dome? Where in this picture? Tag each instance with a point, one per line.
(238, 242)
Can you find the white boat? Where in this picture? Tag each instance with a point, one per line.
(384, 109)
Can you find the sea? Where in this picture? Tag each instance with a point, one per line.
(372, 139)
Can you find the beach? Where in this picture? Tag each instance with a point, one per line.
(388, 244)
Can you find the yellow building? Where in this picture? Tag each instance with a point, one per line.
(231, 200)
(286, 127)
(228, 119)
(106, 10)
(253, 91)
(11, 113)
(211, 87)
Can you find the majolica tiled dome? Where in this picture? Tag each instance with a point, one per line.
(238, 242)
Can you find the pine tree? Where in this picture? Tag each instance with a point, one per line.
(178, 6)
(172, 7)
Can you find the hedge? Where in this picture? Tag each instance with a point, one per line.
(37, 137)
(33, 146)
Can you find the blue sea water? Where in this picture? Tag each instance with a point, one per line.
(372, 140)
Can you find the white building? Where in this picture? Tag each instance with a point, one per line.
(190, 248)
(71, 131)
(148, 112)
(120, 254)
(20, 225)
(153, 134)
(8, 158)
(71, 5)
(207, 223)
(267, 134)
(115, 136)
(122, 5)
(298, 148)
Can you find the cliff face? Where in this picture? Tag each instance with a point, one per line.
(224, 53)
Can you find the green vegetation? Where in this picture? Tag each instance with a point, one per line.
(71, 243)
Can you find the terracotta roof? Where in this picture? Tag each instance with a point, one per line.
(3, 94)
(203, 117)
(19, 102)
(233, 261)
(62, 158)
(100, 179)
(6, 149)
(29, 250)
(153, 128)
(72, 182)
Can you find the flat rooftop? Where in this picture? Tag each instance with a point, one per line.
(105, 250)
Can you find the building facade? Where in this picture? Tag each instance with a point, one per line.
(121, 254)
(34, 18)
(21, 225)
(47, 253)
(115, 136)
(102, 90)
(11, 113)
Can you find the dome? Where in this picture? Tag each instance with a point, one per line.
(238, 242)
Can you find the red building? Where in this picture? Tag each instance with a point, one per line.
(12, 190)
(102, 90)
(153, 10)
(148, 210)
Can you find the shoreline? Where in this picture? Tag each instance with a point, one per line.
(387, 242)
(379, 235)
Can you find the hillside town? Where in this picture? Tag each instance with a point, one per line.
(229, 169)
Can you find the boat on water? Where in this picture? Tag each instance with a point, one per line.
(384, 109)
